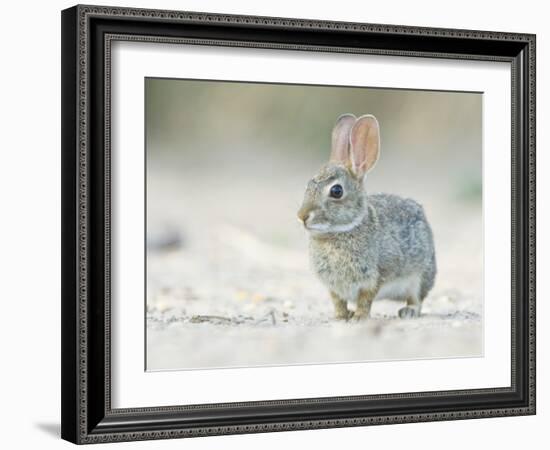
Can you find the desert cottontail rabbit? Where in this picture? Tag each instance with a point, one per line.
(363, 246)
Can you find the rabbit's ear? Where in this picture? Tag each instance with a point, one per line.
(364, 144)
(340, 138)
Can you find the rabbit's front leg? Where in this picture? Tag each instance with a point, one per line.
(340, 307)
(364, 302)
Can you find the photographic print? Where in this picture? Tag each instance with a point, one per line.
(303, 224)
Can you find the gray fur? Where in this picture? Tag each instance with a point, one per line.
(389, 246)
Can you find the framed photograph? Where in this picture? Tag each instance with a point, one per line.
(278, 224)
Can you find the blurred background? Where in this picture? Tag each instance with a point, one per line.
(228, 280)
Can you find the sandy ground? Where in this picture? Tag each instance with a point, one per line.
(227, 291)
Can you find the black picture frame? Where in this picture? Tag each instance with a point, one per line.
(87, 415)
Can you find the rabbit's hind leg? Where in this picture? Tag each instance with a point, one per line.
(414, 305)
(418, 293)
(406, 288)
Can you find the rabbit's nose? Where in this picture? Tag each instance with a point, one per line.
(303, 214)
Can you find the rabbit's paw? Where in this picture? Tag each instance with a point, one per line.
(343, 315)
(408, 312)
(360, 316)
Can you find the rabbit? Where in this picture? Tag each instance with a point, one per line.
(365, 246)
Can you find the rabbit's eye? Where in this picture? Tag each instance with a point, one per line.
(336, 191)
